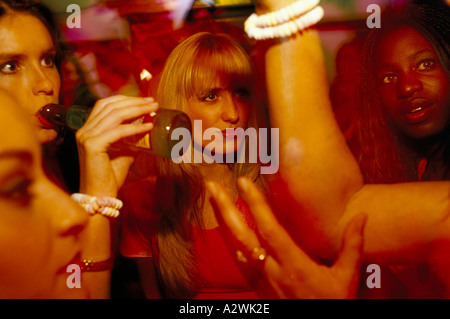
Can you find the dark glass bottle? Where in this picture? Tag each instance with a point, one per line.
(157, 142)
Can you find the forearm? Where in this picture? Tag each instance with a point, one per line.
(407, 223)
(97, 247)
(314, 159)
(404, 221)
(97, 235)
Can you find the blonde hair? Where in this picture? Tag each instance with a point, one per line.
(195, 64)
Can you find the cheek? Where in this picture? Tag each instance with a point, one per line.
(245, 113)
(387, 93)
(444, 91)
(56, 79)
(16, 87)
(200, 116)
(446, 104)
(388, 100)
(23, 247)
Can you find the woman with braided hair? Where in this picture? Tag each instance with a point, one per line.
(402, 131)
(402, 127)
(410, 62)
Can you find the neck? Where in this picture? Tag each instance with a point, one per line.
(215, 171)
(210, 169)
(429, 146)
(218, 173)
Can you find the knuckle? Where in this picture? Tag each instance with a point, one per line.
(268, 233)
(79, 136)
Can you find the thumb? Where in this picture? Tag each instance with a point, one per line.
(349, 261)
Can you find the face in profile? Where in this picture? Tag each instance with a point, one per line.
(413, 86)
(39, 224)
(27, 66)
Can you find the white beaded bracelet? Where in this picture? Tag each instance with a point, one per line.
(285, 14)
(106, 206)
(286, 29)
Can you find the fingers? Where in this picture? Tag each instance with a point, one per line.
(225, 208)
(118, 109)
(110, 119)
(119, 101)
(275, 236)
(115, 134)
(349, 261)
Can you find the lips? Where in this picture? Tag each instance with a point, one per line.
(417, 111)
(75, 260)
(42, 121)
(231, 134)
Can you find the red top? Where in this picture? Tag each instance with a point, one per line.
(218, 267)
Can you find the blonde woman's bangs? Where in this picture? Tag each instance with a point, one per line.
(217, 62)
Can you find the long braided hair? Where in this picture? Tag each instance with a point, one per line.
(383, 155)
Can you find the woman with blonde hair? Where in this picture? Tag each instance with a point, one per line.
(320, 192)
(210, 77)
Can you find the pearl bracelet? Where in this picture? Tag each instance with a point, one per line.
(286, 29)
(106, 206)
(285, 14)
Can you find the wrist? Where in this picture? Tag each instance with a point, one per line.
(263, 7)
(286, 22)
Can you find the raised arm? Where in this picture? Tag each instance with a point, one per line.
(324, 178)
(103, 173)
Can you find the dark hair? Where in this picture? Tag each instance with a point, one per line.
(40, 11)
(384, 156)
(66, 146)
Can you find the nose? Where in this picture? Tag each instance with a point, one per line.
(407, 85)
(230, 111)
(41, 82)
(72, 220)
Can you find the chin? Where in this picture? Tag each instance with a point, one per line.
(46, 136)
(422, 133)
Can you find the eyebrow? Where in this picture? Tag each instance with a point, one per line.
(411, 56)
(11, 56)
(19, 56)
(415, 54)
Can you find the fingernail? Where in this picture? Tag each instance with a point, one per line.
(149, 99)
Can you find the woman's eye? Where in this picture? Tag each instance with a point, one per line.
(210, 97)
(242, 93)
(425, 65)
(17, 191)
(9, 67)
(48, 61)
(388, 78)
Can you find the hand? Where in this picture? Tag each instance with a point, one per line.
(286, 271)
(104, 171)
